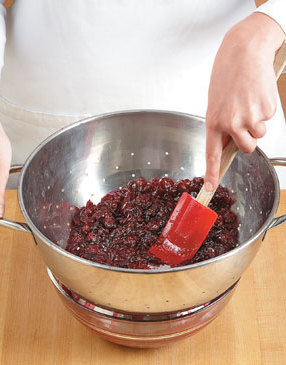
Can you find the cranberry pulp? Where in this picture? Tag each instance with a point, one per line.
(120, 229)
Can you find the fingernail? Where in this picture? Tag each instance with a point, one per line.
(209, 187)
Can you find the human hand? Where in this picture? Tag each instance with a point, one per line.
(5, 161)
(243, 89)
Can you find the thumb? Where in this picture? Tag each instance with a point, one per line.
(2, 203)
(5, 161)
(3, 181)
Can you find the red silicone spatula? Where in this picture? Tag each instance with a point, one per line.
(191, 219)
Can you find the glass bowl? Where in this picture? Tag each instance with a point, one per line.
(141, 329)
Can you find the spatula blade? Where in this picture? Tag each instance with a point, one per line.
(184, 232)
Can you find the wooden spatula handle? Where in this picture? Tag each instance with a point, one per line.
(280, 60)
(229, 152)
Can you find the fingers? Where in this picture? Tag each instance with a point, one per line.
(245, 134)
(5, 161)
(2, 203)
(246, 141)
(242, 96)
(214, 147)
(258, 130)
(4, 168)
(3, 182)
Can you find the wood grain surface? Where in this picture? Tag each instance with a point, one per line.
(36, 329)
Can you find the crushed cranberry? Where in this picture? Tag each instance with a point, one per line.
(120, 229)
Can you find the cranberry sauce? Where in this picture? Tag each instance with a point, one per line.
(120, 229)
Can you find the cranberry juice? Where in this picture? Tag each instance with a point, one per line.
(120, 229)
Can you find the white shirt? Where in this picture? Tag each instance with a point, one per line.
(68, 59)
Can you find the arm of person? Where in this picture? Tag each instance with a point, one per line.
(5, 146)
(275, 9)
(243, 91)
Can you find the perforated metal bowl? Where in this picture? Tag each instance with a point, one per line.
(94, 156)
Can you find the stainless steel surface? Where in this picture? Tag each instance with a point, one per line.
(12, 224)
(15, 168)
(141, 329)
(92, 157)
(277, 221)
(278, 161)
(18, 226)
(12, 182)
(130, 316)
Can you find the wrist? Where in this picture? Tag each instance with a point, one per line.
(257, 32)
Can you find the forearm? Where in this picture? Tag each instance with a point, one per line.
(276, 10)
(259, 33)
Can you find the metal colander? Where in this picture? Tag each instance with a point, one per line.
(92, 157)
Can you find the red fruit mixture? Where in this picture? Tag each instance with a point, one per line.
(120, 229)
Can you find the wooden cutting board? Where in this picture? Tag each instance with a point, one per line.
(35, 328)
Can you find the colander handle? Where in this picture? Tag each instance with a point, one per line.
(277, 161)
(19, 226)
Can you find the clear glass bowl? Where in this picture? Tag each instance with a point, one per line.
(141, 330)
